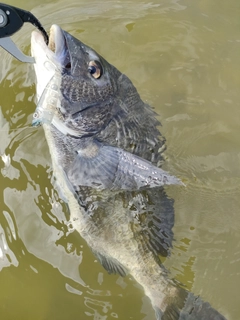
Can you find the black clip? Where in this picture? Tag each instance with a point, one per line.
(11, 20)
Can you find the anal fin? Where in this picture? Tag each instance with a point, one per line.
(111, 264)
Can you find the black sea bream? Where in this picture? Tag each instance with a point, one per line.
(106, 152)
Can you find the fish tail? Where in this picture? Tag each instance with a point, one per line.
(187, 306)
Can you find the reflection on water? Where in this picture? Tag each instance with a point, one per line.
(183, 57)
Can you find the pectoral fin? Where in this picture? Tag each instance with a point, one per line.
(106, 167)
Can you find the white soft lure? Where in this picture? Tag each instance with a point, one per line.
(47, 108)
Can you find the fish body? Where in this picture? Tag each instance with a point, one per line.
(106, 151)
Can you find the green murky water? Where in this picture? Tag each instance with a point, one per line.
(184, 58)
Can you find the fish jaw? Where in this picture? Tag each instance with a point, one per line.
(50, 62)
(49, 59)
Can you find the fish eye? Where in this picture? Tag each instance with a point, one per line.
(95, 69)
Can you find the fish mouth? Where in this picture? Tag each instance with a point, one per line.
(58, 45)
(50, 59)
(56, 51)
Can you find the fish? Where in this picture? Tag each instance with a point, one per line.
(107, 151)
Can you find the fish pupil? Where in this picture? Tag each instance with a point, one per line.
(92, 69)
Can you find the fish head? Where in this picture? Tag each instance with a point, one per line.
(82, 79)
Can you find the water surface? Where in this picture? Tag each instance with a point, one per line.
(184, 58)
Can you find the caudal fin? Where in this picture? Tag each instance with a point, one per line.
(186, 306)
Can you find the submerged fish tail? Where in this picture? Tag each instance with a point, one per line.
(187, 306)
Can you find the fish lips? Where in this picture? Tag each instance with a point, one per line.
(58, 43)
(50, 59)
(57, 50)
